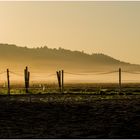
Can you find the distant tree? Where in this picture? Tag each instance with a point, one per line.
(45, 47)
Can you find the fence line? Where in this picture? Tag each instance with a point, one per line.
(109, 72)
(59, 75)
(15, 73)
(72, 73)
(50, 75)
(131, 72)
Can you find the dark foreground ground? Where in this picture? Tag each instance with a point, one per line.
(70, 117)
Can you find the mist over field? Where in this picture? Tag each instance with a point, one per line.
(70, 69)
(78, 66)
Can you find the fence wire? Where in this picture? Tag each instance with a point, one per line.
(39, 79)
(99, 73)
(43, 76)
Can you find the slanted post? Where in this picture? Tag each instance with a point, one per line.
(120, 86)
(8, 82)
(59, 79)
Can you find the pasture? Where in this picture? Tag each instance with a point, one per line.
(81, 111)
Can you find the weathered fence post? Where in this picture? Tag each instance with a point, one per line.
(62, 81)
(8, 82)
(58, 78)
(27, 77)
(30, 98)
(120, 86)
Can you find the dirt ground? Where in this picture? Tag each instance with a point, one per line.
(94, 118)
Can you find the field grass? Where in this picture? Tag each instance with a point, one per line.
(70, 116)
(83, 88)
(94, 113)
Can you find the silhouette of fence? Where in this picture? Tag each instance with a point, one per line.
(33, 82)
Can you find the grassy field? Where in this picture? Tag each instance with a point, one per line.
(70, 116)
(82, 88)
(83, 111)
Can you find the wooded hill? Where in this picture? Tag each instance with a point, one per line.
(44, 58)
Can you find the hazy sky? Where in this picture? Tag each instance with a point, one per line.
(112, 28)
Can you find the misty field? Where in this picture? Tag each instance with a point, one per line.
(73, 88)
(82, 111)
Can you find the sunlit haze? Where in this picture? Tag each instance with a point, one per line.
(111, 28)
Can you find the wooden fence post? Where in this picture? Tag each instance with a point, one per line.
(25, 78)
(120, 86)
(26, 75)
(28, 79)
(62, 81)
(59, 79)
(8, 82)
(60, 84)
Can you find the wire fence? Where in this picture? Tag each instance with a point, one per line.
(43, 82)
(45, 76)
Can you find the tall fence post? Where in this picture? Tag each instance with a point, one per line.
(62, 81)
(27, 77)
(120, 86)
(8, 82)
(59, 78)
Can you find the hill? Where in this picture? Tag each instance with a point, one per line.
(44, 58)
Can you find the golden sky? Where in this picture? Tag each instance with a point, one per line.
(112, 28)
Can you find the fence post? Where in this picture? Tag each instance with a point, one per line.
(120, 86)
(59, 78)
(28, 78)
(26, 75)
(25, 78)
(8, 82)
(62, 81)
